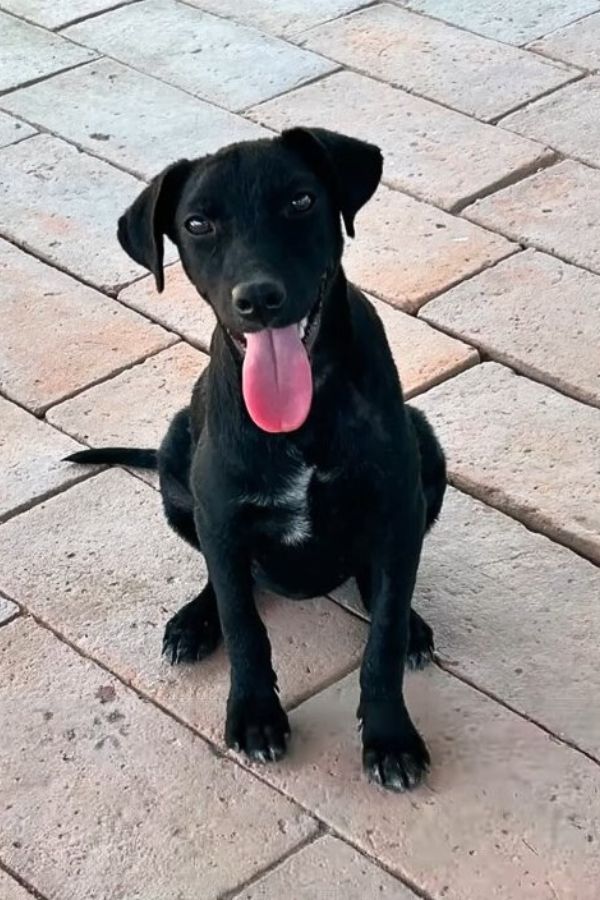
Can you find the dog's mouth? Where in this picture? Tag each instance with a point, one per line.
(277, 381)
(307, 330)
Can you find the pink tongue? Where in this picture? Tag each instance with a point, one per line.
(277, 379)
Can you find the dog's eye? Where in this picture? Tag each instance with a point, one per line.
(302, 202)
(199, 225)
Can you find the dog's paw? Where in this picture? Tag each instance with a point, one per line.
(420, 643)
(394, 753)
(257, 726)
(192, 634)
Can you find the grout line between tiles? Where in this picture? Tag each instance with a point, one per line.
(497, 120)
(276, 864)
(12, 873)
(92, 15)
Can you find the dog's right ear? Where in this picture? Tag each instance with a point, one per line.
(150, 216)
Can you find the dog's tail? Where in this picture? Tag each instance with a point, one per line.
(116, 456)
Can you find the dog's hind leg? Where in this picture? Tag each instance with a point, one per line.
(433, 465)
(195, 631)
(420, 634)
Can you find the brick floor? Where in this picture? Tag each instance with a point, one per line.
(480, 253)
(514, 311)
(119, 795)
(239, 66)
(12, 130)
(524, 448)
(58, 337)
(576, 43)
(509, 21)
(486, 78)
(432, 152)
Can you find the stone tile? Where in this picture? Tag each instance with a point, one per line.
(276, 17)
(434, 153)
(29, 52)
(557, 210)
(58, 336)
(423, 356)
(179, 307)
(511, 21)
(8, 610)
(136, 407)
(523, 448)
(398, 238)
(534, 313)
(568, 120)
(577, 44)
(105, 570)
(507, 812)
(11, 890)
(30, 460)
(103, 116)
(327, 868)
(11, 130)
(56, 13)
(510, 609)
(226, 63)
(470, 73)
(64, 205)
(105, 786)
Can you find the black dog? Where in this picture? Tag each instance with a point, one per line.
(297, 463)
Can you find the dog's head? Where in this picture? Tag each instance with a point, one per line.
(258, 230)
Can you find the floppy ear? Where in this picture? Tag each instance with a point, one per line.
(352, 168)
(150, 216)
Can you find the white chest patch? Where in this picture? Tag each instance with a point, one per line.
(291, 496)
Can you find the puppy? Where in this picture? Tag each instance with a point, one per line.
(297, 464)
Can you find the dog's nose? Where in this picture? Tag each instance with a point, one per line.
(258, 300)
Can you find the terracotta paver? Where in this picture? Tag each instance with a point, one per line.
(103, 567)
(11, 890)
(179, 307)
(484, 78)
(423, 356)
(103, 116)
(58, 336)
(276, 17)
(12, 131)
(524, 448)
(577, 44)
(208, 56)
(557, 210)
(30, 459)
(506, 811)
(515, 311)
(400, 269)
(511, 21)
(567, 120)
(56, 13)
(29, 52)
(112, 791)
(509, 609)
(64, 205)
(136, 407)
(327, 868)
(8, 610)
(434, 153)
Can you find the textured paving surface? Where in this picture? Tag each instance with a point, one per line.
(480, 253)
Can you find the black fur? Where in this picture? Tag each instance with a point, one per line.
(376, 473)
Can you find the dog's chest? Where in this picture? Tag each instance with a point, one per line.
(288, 498)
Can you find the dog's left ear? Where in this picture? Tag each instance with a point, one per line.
(351, 168)
(150, 216)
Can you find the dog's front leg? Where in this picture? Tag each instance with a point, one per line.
(256, 723)
(394, 753)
